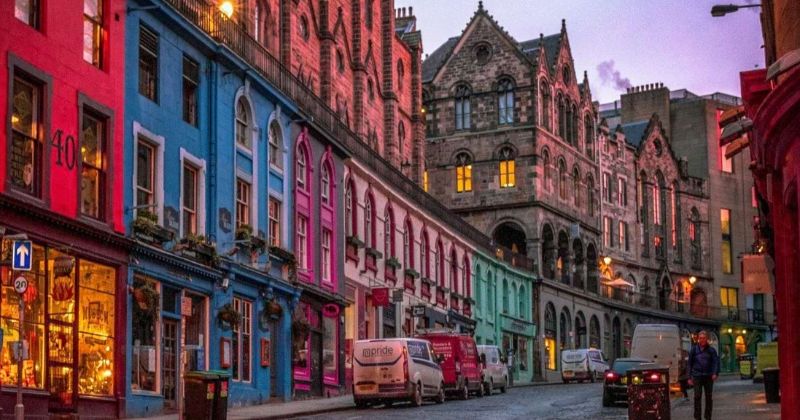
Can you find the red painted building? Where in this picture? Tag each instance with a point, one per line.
(772, 102)
(61, 179)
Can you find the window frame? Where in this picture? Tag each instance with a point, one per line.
(156, 144)
(243, 204)
(326, 260)
(98, 35)
(275, 139)
(463, 172)
(190, 89)
(105, 115)
(243, 124)
(34, 14)
(463, 107)
(505, 102)
(726, 238)
(244, 307)
(152, 92)
(507, 167)
(274, 225)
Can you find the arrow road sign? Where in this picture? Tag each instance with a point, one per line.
(23, 251)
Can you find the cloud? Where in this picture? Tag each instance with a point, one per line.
(610, 76)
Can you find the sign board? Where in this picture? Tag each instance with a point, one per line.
(186, 306)
(21, 284)
(380, 296)
(23, 254)
(397, 295)
(757, 274)
(418, 310)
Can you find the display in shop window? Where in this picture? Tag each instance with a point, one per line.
(225, 353)
(265, 352)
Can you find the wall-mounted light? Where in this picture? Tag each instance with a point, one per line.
(225, 283)
(607, 260)
(226, 7)
(692, 279)
(744, 331)
(730, 330)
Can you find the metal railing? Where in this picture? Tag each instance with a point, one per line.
(231, 34)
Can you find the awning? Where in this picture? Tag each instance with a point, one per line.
(619, 283)
(735, 130)
(737, 146)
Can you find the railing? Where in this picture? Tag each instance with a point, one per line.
(228, 32)
(672, 305)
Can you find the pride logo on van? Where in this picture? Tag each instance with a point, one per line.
(377, 352)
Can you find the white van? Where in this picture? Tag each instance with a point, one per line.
(495, 370)
(661, 344)
(396, 369)
(582, 364)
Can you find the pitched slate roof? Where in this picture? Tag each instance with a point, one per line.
(551, 43)
(437, 58)
(635, 131)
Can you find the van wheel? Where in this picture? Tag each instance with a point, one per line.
(360, 405)
(592, 376)
(440, 396)
(505, 385)
(417, 400)
(465, 391)
(490, 387)
(481, 389)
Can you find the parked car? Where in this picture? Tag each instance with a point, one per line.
(461, 367)
(615, 384)
(582, 364)
(397, 369)
(661, 344)
(495, 370)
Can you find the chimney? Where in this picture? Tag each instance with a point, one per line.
(641, 102)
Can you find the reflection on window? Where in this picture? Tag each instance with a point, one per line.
(93, 163)
(329, 359)
(93, 32)
(25, 164)
(27, 11)
(144, 327)
(96, 326)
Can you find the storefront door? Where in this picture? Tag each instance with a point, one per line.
(169, 371)
(316, 363)
(273, 351)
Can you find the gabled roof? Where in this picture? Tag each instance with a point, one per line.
(551, 43)
(635, 132)
(437, 58)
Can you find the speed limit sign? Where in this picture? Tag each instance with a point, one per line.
(21, 284)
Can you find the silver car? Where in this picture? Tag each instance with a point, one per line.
(495, 371)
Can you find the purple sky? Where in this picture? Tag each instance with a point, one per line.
(676, 42)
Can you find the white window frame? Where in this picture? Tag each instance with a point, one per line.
(142, 134)
(247, 322)
(200, 165)
(327, 266)
(275, 198)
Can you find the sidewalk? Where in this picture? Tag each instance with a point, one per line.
(733, 399)
(280, 410)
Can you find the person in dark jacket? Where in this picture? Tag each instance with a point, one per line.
(703, 369)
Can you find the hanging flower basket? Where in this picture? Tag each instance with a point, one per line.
(63, 265)
(393, 262)
(147, 298)
(274, 309)
(229, 316)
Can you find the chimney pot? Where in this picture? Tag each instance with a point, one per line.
(411, 11)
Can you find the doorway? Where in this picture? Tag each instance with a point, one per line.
(316, 363)
(273, 353)
(169, 340)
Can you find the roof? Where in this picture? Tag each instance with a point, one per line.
(634, 132)
(551, 44)
(437, 58)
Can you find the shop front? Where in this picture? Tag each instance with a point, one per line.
(517, 344)
(461, 323)
(734, 341)
(73, 335)
(317, 362)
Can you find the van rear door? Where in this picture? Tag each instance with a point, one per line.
(379, 365)
(572, 362)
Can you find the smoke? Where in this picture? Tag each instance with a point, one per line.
(610, 76)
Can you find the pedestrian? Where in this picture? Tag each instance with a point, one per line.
(703, 369)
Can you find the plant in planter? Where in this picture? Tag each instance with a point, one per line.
(354, 241)
(244, 235)
(374, 253)
(411, 272)
(229, 315)
(147, 298)
(146, 227)
(393, 262)
(274, 309)
(281, 253)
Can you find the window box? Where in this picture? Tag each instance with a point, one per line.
(281, 253)
(427, 281)
(411, 272)
(354, 241)
(146, 228)
(198, 248)
(408, 282)
(426, 290)
(374, 253)
(393, 262)
(245, 237)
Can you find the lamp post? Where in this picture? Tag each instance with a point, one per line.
(720, 10)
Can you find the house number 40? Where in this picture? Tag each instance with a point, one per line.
(67, 153)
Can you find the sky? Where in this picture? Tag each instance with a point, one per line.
(621, 42)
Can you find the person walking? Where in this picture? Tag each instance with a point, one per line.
(703, 369)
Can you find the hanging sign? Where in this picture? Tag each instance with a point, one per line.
(757, 274)
(380, 296)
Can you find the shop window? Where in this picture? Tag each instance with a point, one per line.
(148, 64)
(329, 354)
(27, 11)
(242, 334)
(195, 333)
(93, 164)
(25, 163)
(191, 79)
(274, 222)
(550, 352)
(144, 328)
(522, 353)
(93, 32)
(96, 329)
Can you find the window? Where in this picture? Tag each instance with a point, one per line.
(505, 102)
(190, 190)
(401, 138)
(274, 222)
(674, 214)
(606, 231)
(400, 75)
(27, 11)
(388, 233)
(725, 164)
(425, 180)
(727, 244)
(607, 187)
(370, 90)
(590, 194)
(548, 174)
(439, 264)
(623, 236)
(424, 256)
(408, 246)
(463, 108)
(145, 357)
(93, 32)
(327, 261)
(325, 185)
(588, 135)
(191, 79)
(148, 63)
(369, 223)
(145, 175)
(302, 242)
(463, 172)
(349, 211)
(507, 168)
(753, 197)
(369, 12)
(547, 103)
(455, 283)
(275, 145)
(25, 166)
(694, 238)
(339, 61)
(622, 192)
(562, 180)
(657, 205)
(301, 170)
(241, 343)
(242, 203)
(576, 187)
(729, 297)
(330, 333)
(243, 123)
(303, 28)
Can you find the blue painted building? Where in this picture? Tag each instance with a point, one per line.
(208, 151)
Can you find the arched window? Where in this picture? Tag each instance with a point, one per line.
(562, 179)
(505, 102)
(508, 176)
(547, 103)
(388, 233)
(490, 293)
(463, 107)
(408, 245)
(243, 123)
(675, 211)
(401, 139)
(548, 172)
(463, 172)
(325, 185)
(568, 123)
(574, 122)
(588, 136)
(301, 168)
(694, 238)
(467, 277)
(275, 145)
(562, 118)
(369, 222)
(590, 194)
(401, 72)
(424, 255)
(576, 187)
(370, 90)
(350, 206)
(439, 264)
(660, 214)
(521, 303)
(505, 296)
(454, 281)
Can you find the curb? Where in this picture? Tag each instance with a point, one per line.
(308, 412)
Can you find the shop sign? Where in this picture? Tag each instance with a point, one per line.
(418, 310)
(23, 254)
(397, 295)
(186, 306)
(380, 296)
(756, 274)
(518, 327)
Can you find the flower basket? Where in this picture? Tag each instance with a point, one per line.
(147, 298)
(274, 309)
(146, 227)
(393, 262)
(244, 233)
(374, 253)
(258, 245)
(229, 316)
(411, 272)
(354, 241)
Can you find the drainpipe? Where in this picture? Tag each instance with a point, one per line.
(211, 201)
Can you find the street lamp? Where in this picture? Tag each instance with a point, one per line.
(692, 279)
(607, 260)
(720, 10)
(226, 7)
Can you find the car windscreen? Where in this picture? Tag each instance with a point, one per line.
(573, 356)
(622, 366)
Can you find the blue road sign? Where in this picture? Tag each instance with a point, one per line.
(23, 253)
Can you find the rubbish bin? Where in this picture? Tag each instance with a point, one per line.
(772, 385)
(221, 394)
(746, 366)
(648, 393)
(200, 389)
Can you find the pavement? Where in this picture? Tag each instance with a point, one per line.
(734, 399)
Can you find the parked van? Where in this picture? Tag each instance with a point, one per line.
(461, 367)
(495, 370)
(582, 364)
(661, 344)
(396, 369)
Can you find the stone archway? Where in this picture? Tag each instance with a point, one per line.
(564, 330)
(579, 264)
(563, 266)
(512, 236)
(594, 332)
(548, 252)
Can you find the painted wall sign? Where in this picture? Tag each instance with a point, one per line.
(172, 219)
(225, 220)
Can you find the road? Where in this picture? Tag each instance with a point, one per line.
(573, 401)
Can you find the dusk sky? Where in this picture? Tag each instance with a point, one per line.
(676, 42)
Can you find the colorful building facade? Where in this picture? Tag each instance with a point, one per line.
(61, 187)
